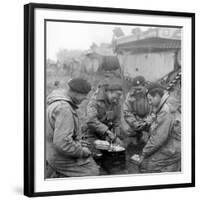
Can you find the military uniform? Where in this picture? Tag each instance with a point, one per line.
(162, 153)
(136, 109)
(101, 116)
(64, 152)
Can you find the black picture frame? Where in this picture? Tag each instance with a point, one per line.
(29, 97)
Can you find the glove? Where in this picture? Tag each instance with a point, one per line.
(111, 136)
(86, 152)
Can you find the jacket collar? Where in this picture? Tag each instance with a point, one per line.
(71, 102)
(60, 95)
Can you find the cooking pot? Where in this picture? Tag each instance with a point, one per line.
(114, 160)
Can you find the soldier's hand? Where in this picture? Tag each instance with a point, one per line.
(139, 125)
(137, 159)
(86, 152)
(85, 143)
(150, 118)
(145, 136)
(117, 131)
(111, 135)
(130, 97)
(118, 142)
(141, 159)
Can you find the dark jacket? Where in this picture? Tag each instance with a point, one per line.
(63, 137)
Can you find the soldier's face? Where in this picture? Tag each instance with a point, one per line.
(81, 98)
(154, 100)
(114, 96)
(78, 98)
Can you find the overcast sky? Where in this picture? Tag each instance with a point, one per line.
(78, 35)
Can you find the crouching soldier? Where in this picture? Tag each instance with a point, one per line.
(104, 114)
(162, 153)
(65, 155)
(137, 111)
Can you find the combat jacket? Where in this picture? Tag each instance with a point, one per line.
(136, 110)
(63, 137)
(163, 149)
(101, 116)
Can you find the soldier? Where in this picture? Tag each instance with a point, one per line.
(162, 153)
(104, 112)
(66, 156)
(137, 111)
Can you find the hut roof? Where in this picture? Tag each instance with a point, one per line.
(153, 44)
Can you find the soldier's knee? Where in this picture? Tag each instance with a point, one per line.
(95, 170)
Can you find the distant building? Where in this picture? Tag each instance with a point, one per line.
(93, 57)
(152, 53)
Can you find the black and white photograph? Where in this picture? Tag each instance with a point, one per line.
(111, 100)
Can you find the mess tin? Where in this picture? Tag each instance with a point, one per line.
(114, 160)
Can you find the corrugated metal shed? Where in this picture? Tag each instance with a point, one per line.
(148, 44)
